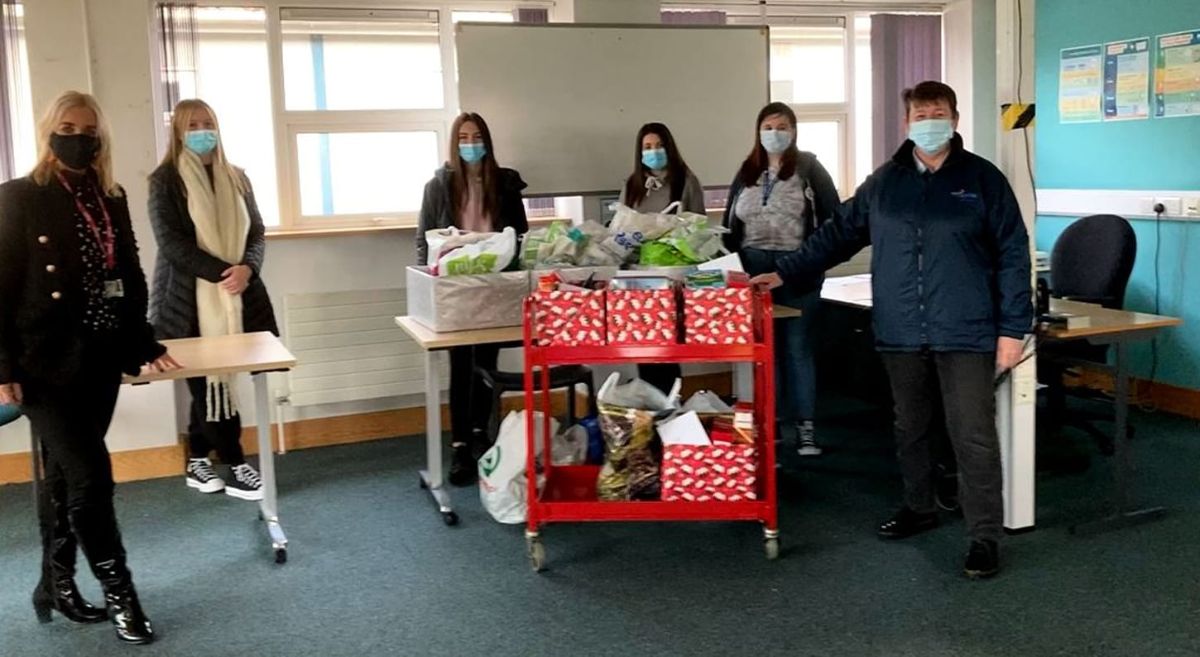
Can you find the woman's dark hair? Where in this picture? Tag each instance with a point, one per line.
(752, 169)
(677, 169)
(489, 170)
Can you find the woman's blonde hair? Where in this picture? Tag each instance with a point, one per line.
(181, 116)
(47, 164)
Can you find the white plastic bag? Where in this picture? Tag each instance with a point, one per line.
(630, 228)
(502, 486)
(441, 240)
(706, 401)
(487, 256)
(569, 446)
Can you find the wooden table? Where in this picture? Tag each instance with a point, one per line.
(1115, 328)
(431, 342)
(257, 354)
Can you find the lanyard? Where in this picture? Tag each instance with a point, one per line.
(106, 240)
(768, 186)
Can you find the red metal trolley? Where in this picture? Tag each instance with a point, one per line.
(569, 492)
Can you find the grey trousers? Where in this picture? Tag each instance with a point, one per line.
(965, 383)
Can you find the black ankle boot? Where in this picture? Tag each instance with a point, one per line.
(127, 616)
(463, 467)
(64, 597)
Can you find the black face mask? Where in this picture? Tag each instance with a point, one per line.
(75, 151)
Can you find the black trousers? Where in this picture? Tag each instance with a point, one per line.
(470, 400)
(69, 420)
(965, 384)
(224, 436)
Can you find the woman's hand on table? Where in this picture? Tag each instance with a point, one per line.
(164, 363)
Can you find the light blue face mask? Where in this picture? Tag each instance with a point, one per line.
(655, 158)
(472, 153)
(775, 141)
(200, 142)
(931, 135)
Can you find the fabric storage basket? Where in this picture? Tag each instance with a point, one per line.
(718, 316)
(470, 301)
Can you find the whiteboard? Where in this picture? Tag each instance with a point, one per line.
(564, 101)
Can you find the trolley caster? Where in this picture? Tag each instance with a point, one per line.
(281, 555)
(450, 518)
(772, 548)
(537, 553)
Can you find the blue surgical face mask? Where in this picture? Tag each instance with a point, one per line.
(775, 141)
(472, 153)
(931, 135)
(655, 158)
(200, 142)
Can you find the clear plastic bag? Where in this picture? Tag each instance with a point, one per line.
(632, 451)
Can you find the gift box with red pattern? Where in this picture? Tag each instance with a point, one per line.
(709, 473)
(642, 317)
(718, 315)
(569, 318)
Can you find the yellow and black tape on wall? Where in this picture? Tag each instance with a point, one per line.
(1016, 116)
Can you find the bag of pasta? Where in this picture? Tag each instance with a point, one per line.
(632, 451)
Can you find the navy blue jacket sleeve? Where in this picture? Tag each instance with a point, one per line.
(1011, 244)
(835, 242)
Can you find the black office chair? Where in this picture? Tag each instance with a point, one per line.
(1091, 262)
(563, 377)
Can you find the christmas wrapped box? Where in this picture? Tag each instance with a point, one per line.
(709, 473)
(644, 317)
(718, 315)
(569, 318)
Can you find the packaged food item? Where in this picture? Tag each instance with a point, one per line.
(632, 451)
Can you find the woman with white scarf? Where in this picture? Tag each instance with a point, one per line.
(206, 282)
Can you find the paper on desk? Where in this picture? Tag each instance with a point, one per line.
(684, 429)
(731, 262)
(853, 288)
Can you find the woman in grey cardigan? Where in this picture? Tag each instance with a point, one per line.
(660, 177)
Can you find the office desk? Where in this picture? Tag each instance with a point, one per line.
(431, 342)
(1115, 328)
(256, 353)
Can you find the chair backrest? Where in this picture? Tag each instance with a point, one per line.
(9, 414)
(1093, 259)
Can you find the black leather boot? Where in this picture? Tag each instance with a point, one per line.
(57, 590)
(96, 527)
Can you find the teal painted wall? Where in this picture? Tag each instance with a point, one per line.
(1159, 154)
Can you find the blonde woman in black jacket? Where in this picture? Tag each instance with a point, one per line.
(72, 319)
(206, 283)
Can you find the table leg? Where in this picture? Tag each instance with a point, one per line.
(431, 477)
(1123, 468)
(269, 507)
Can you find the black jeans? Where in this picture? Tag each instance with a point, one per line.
(470, 401)
(69, 420)
(224, 436)
(965, 384)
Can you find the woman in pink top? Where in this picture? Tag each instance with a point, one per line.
(470, 192)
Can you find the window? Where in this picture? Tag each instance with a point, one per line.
(339, 115)
(17, 136)
(808, 63)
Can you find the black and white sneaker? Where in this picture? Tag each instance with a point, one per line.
(202, 476)
(806, 439)
(246, 484)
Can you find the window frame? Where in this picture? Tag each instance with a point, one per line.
(288, 124)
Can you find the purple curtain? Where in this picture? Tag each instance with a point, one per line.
(693, 17)
(9, 73)
(905, 50)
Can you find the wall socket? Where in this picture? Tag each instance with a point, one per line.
(1173, 206)
(1191, 206)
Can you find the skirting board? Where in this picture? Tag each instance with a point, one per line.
(1122, 202)
(168, 460)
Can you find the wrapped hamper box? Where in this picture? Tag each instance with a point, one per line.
(467, 301)
(709, 473)
(718, 315)
(568, 318)
(648, 317)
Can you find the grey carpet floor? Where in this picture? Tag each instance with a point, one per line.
(374, 572)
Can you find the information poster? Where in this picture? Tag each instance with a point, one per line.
(1177, 75)
(1127, 80)
(1081, 84)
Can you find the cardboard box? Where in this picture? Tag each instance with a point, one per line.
(569, 318)
(466, 302)
(722, 316)
(642, 317)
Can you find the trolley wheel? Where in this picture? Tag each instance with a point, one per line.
(772, 548)
(450, 518)
(537, 554)
(281, 555)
